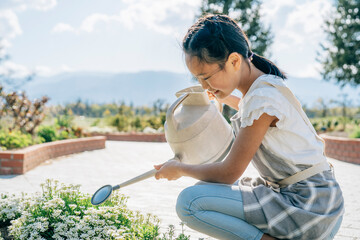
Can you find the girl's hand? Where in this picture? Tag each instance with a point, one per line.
(210, 95)
(169, 170)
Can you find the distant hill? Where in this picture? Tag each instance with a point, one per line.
(144, 88)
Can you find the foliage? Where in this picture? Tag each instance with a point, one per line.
(355, 133)
(247, 13)
(334, 123)
(135, 123)
(63, 212)
(16, 139)
(48, 133)
(171, 233)
(342, 59)
(63, 128)
(25, 114)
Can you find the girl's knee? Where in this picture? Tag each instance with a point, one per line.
(184, 200)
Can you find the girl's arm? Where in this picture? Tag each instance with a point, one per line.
(228, 171)
(232, 101)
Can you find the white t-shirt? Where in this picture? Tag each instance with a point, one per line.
(291, 139)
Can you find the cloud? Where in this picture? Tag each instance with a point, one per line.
(14, 70)
(162, 16)
(296, 21)
(310, 70)
(66, 68)
(165, 17)
(43, 71)
(88, 24)
(9, 25)
(62, 27)
(23, 5)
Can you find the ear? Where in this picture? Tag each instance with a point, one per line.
(235, 60)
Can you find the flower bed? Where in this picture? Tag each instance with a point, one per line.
(23, 160)
(344, 149)
(63, 212)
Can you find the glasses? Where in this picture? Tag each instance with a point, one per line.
(210, 76)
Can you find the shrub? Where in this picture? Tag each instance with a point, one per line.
(48, 133)
(64, 121)
(121, 122)
(355, 133)
(16, 139)
(63, 212)
(26, 115)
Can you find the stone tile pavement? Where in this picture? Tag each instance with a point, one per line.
(120, 161)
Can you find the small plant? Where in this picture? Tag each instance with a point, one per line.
(48, 133)
(16, 139)
(62, 212)
(355, 133)
(171, 234)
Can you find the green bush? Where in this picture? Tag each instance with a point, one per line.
(355, 133)
(121, 122)
(63, 212)
(48, 133)
(64, 121)
(15, 139)
(137, 123)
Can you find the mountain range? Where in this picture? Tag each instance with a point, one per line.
(144, 88)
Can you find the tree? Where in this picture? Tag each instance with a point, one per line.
(341, 58)
(323, 106)
(247, 14)
(26, 115)
(344, 103)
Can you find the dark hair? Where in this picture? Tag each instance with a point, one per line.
(214, 37)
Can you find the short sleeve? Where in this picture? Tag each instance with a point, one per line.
(262, 100)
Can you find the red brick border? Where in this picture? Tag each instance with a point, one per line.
(23, 160)
(136, 137)
(344, 149)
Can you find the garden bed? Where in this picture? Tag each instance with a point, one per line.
(63, 212)
(341, 148)
(22, 160)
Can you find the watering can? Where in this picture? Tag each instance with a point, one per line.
(195, 130)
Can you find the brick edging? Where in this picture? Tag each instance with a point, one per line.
(344, 149)
(23, 160)
(136, 137)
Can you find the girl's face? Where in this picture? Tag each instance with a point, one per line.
(221, 82)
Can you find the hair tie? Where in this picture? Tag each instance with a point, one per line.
(251, 56)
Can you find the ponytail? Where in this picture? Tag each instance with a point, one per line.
(214, 37)
(266, 66)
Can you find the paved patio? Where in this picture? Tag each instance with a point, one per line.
(120, 161)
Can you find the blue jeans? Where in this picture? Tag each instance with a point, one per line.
(217, 210)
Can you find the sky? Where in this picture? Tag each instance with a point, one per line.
(48, 37)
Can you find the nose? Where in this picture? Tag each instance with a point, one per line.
(204, 84)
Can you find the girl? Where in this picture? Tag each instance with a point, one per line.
(297, 196)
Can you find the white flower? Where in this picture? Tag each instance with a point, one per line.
(56, 213)
(72, 206)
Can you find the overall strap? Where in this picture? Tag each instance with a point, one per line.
(313, 170)
(292, 99)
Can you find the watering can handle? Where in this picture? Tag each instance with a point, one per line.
(170, 113)
(141, 177)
